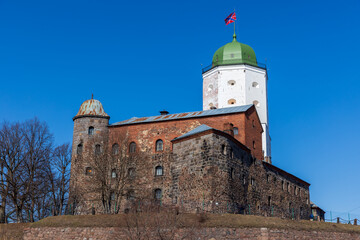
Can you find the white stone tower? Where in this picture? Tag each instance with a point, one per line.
(235, 78)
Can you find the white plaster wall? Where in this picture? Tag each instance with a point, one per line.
(210, 96)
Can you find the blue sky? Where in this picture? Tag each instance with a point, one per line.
(140, 57)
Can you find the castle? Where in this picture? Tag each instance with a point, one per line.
(216, 160)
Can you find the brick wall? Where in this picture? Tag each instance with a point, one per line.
(204, 233)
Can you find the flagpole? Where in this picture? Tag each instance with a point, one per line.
(234, 23)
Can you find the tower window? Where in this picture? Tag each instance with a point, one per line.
(210, 88)
(223, 149)
(115, 149)
(159, 145)
(88, 171)
(158, 194)
(79, 149)
(231, 101)
(113, 173)
(132, 147)
(236, 131)
(91, 131)
(159, 171)
(97, 149)
(255, 85)
(231, 82)
(256, 103)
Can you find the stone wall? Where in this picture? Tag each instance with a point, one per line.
(49, 233)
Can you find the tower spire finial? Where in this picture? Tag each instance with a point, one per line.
(92, 96)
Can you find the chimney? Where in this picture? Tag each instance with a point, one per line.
(229, 128)
(164, 112)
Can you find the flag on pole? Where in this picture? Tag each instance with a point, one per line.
(231, 18)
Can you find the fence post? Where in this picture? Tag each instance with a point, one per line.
(330, 216)
(355, 221)
(338, 220)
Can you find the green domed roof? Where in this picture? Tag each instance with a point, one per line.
(234, 53)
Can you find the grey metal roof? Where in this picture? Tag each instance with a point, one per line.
(199, 129)
(212, 112)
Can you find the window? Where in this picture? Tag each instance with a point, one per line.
(231, 101)
(158, 194)
(159, 145)
(88, 171)
(256, 103)
(253, 123)
(131, 172)
(223, 149)
(97, 149)
(282, 185)
(115, 149)
(269, 200)
(288, 187)
(252, 181)
(268, 178)
(290, 207)
(159, 171)
(231, 82)
(255, 85)
(112, 196)
(232, 173)
(113, 173)
(91, 131)
(210, 88)
(79, 149)
(295, 191)
(231, 153)
(236, 131)
(244, 180)
(131, 195)
(254, 145)
(132, 147)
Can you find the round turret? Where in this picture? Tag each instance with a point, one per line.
(91, 108)
(234, 53)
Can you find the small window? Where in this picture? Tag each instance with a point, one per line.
(223, 149)
(253, 123)
(244, 180)
(79, 149)
(282, 185)
(232, 173)
(252, 181)
(254, 145)
(255, 85)
(231, 153)
(131, 172)
(210, 88)
(288, 187)
(132, 147)
(91, 131)
(88, 171)
(231, 82)
(112, 196)
(256, 103)
(268, 178)
(113, 173)
(159, 145)
(231, 101)
(158, 194)
(115, 149)
(236, 131)
(131, 195)
(97, 149)
(269, 200)
(159, 171)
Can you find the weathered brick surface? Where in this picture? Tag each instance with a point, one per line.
(203, 233)
(214, 172)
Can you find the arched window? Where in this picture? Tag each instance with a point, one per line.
(158, 194)
(254, 145)
(255, 85)
(131, 172)
(210, 88)
(132, 147)
(232, 173)
(256, 103)
(91, 131)
(88, 171)
(223, 149)
(159, 171)
(236, 131)
(97, 149)
(231, 101)
(113, 173)
(115, 149)
(159, 145)
(79, 149)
